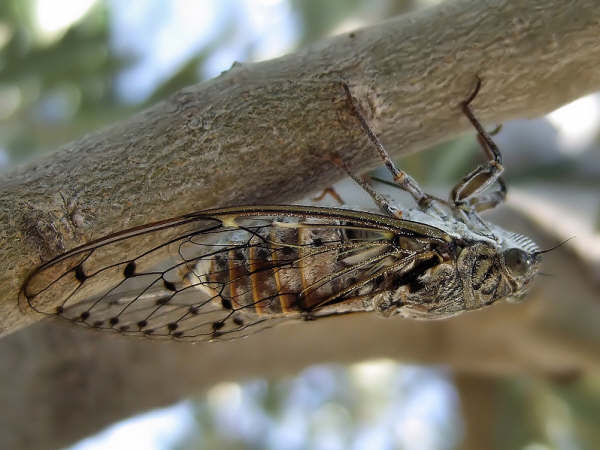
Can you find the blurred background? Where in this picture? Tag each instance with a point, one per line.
(68, 67)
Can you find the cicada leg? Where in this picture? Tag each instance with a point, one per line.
(365, 183)
(401, 179)
(489, 200)
(329, 191)
(469, 192)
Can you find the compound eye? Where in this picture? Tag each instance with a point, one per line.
(517, 261)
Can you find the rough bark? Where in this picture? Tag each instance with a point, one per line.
(260, 132)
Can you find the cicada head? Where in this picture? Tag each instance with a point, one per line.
(520, 259)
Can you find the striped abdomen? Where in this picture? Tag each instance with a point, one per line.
(289, 269)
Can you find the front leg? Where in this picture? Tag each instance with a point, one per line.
(402, 180)
(384, 205)
(489, 200)
(468, 193)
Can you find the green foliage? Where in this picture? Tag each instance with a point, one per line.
(532, 413)
(60, 87)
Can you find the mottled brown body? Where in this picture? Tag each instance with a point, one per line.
(225, 273)
(327, 267)
(291, 268)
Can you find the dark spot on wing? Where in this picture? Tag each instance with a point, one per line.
(142, 324)
(218, 325)
(84, 315)
(169, 285)
(226, 303)
(163, 300)
(172, 326)
(129, 270)
(113, 321)
(238, 321)
(80, 274)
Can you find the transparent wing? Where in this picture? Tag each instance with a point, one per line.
(222, 274)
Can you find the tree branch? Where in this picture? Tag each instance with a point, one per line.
(260, 132)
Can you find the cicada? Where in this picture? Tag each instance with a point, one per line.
(225, 273)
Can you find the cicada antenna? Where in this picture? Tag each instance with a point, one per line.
(540, 252)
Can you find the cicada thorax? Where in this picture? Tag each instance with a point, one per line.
(482, 278)
(293, 267)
